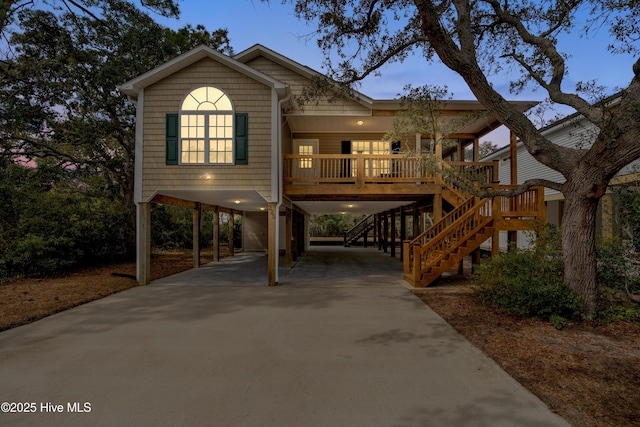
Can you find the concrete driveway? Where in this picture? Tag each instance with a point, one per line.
(340, 343)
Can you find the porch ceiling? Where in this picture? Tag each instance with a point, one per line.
(357, 207)
(381, 117)
(249, 200)
(252, 201)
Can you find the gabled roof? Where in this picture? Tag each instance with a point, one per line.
(258, 50)
(132, 87)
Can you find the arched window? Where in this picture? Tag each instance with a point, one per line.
(206, 127)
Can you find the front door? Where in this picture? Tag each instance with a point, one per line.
(305, 167)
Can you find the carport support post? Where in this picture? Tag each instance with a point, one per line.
(143, 264)
(272, 254)
(437, 207)
(379, 225)
(288, 237)
(393, 232)
(232, 249)
(386, 233)
(216, 234)
(375, 228)
(197, 217)
(403, 231)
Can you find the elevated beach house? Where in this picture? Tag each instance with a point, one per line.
(228, 134)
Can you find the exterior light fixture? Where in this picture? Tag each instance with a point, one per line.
(262, 209)
(237, 202)
(206, 176)
(349, 206)
(343, 213)
(360, 122)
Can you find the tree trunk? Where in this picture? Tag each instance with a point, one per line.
(579, 247)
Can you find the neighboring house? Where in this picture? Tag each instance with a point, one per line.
(573, 131)
(226, 134)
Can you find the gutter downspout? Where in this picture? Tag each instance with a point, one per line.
(277, 162)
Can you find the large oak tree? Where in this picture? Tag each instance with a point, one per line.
(479, 39)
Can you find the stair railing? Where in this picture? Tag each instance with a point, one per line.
(457, 233)
(357, 230)
(421, 256)
(430, 233)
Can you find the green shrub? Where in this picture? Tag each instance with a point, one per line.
(529, 282)
(617, 266)
(42, 255)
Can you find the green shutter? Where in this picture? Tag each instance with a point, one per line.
(172, 139)
(242, 139)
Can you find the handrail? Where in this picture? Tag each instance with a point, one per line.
(357, 229)
(474, 174)
(466, 220)
(444, 222)
(370, 168)
(463, 228)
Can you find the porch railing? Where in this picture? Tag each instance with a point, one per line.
(373, 169)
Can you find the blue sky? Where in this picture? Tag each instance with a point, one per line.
(275, 26)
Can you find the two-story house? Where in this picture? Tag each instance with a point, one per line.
(226, 134)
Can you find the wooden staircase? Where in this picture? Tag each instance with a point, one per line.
(464, 229)
(358, 231)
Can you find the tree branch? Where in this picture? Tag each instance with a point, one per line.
(559, 158)
(547, 47)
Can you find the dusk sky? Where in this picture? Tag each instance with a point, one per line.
(275, 26)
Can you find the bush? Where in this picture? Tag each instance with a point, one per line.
(618, 267)
(529, 282)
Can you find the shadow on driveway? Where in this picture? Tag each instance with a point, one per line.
(339, 343)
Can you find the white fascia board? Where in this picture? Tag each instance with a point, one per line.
(259, 50)
(133, 87)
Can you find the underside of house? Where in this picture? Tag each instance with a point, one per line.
(289, 161)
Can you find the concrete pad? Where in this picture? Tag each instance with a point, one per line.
(323, 351)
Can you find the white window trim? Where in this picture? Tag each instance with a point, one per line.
(207, 140)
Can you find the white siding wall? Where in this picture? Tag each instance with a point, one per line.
(571, 135)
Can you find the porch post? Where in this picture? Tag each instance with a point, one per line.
(272, 252)
(513, 153)
(512, 236)
(437, 207)
(495, 240)
(143, 264)
(476, 149)
(288, 237)
(360, 168)
(197, 216)
(416, 220)
(216, 234)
